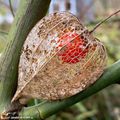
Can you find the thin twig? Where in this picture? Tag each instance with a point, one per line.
(104, 21)
(11, 8)
(112, 20)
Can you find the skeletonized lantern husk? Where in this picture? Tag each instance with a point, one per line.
(59, 59)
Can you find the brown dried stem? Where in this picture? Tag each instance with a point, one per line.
(101, 22)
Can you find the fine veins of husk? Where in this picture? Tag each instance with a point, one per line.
(43, 75)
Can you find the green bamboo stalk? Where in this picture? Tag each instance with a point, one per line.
(46, 109)
(29, 12)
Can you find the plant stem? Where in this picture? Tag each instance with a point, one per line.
(100, 23)
(29, 12)
(46, 109)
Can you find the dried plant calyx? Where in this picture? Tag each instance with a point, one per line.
(59, 59)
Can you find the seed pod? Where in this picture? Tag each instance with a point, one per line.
(60, 58)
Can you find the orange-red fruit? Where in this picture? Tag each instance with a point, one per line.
(73, 48)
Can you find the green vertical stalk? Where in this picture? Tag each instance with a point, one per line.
(29, 12)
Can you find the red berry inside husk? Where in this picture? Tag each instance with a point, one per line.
(73, 48)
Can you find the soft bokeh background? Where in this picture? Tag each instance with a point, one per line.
(104, 105)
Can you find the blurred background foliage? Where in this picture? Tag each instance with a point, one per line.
(104, 105)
